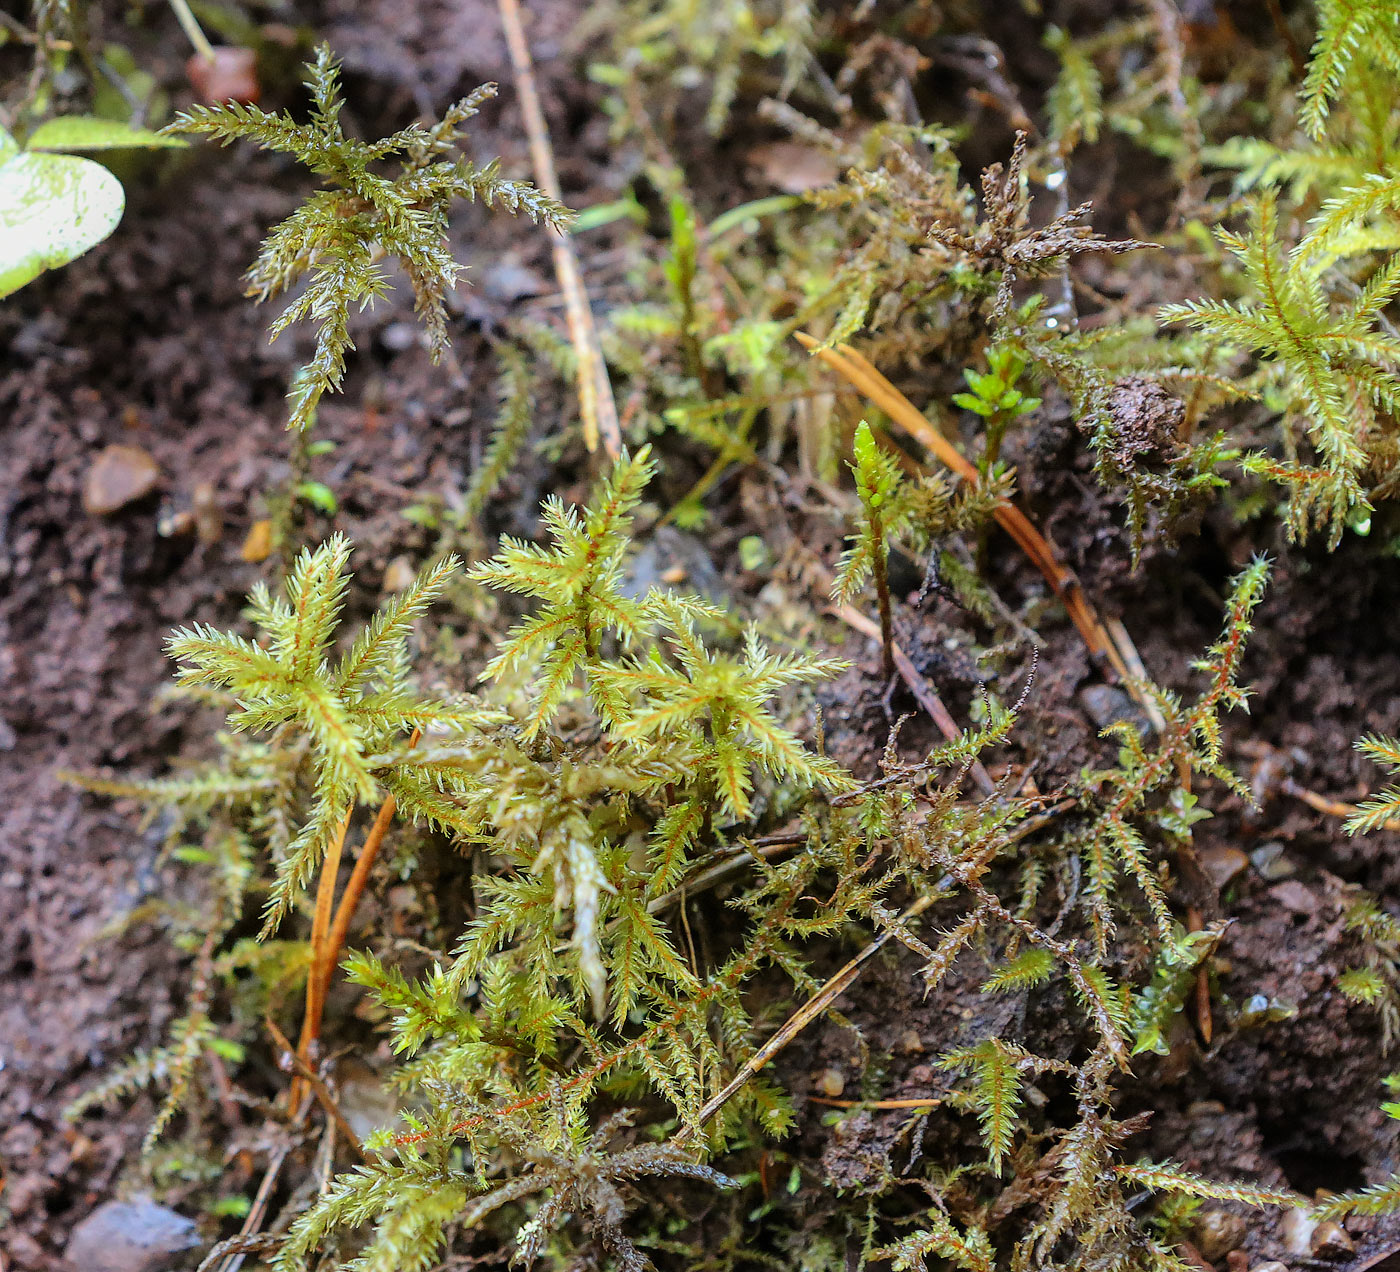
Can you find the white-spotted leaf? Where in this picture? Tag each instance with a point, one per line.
(53, 208)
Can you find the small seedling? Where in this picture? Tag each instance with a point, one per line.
(885, 511)
(995, 397)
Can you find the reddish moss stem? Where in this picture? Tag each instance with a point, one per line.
(320, 926)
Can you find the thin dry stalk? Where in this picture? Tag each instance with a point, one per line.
(234, 1251)
(596, 405)
(1204, 1021)
(189, 24)
(319, 1089)
(929, 1102)
(1132, 660)
(1332, 807)
(801, 1018)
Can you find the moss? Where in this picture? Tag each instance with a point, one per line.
(625, 753)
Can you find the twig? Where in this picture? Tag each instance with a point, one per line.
(596, 404)
(799, 1021)
(246, 1238)
(772, 845)
(1295, 54)
(21, 32)
(223, 1088)
(929, 1102)
(1204, 1022)
(318, 1088)
(718, 873)
(254, 1243)
(1127, 651)
(315, 981)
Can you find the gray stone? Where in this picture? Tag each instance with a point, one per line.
(1271, 862)
(678, 561)
(1107, 704)
(130, 1236)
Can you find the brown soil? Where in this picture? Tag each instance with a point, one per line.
(148, 341)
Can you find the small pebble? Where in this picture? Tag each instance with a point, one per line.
(1330, 1241)
(910, 1043)
(208, 516)
(1297, 1231)
(1107, 704)
(24, 1250)
(399, 574)
(399, 336)
(1223, 865)
(830, 1083)
(670, 550)
(793, 167)
(507, 280)
(1294, 896)
(120, 475)
(1271, 862)
(130, 1236)
(174, 523)
(364, 1099)
(1217, 1231)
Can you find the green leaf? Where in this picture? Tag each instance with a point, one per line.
(969, 402)
(319, 496)
(54, 208)
(601, 214)
(752, 211)
(88, 132)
